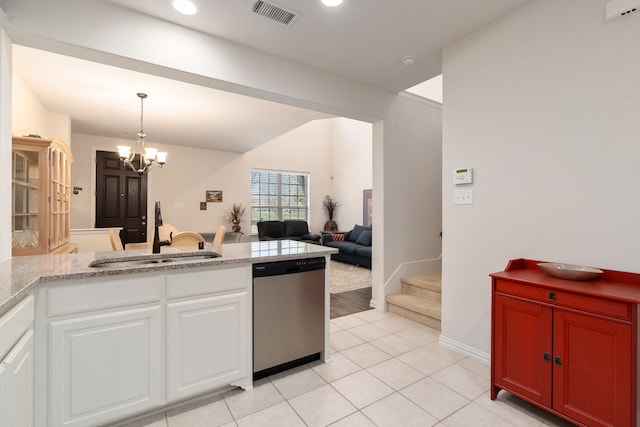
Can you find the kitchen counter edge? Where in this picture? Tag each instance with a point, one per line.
(20, 275)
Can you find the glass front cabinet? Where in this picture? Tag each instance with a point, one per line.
(41, 196)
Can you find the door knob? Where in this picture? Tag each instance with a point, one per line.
(552, 296)
(558, 360)
(546, 356)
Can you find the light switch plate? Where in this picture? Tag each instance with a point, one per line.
(463, 197)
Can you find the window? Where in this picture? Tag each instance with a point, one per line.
(277, 195)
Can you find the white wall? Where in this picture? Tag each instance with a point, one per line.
(408, 177)
(181, 184)
(5, 145)
(544, 105)
(30, 117)
(351, 169)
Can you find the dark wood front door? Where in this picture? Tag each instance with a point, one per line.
(121, 197)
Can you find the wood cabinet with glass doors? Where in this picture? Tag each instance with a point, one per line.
(41, 196)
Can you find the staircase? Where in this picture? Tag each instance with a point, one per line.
(420, 299)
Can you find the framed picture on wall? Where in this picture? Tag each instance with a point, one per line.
(367, 207)
(214, 196)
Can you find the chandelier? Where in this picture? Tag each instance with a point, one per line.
(148, 158)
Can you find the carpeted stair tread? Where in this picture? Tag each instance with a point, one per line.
(416, 304)
(430, 281)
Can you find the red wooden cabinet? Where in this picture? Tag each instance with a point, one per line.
(523, 348)
(567, 346)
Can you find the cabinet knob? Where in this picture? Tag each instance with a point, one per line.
(552, 296)
(546, 356)
(558, 360)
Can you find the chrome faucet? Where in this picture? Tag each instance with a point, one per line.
(156, 236)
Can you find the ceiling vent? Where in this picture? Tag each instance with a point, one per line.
(275, 12)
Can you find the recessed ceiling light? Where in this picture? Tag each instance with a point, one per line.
(332, 3)
(186, 7)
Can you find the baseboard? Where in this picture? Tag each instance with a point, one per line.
(472, 352)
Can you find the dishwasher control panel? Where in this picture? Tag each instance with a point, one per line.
(288, 267)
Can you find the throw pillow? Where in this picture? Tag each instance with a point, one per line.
(355, 233)
(337, 237)
(364, 238)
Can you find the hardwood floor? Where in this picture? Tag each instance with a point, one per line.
(350, 302)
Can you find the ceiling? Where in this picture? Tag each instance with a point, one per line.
(363, 40)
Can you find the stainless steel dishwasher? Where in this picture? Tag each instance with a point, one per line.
(288, 314)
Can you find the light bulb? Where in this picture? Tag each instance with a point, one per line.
(124, 151)
(161, 156)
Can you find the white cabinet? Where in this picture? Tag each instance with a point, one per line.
(208, 331)
(16, 365)
(102, 350)
(121, 346)
(19, 373)
(205, 344)
(4, 397)
(105, 366)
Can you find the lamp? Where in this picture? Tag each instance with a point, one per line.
(149, 158)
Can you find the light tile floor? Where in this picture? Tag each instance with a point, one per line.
(385, 371)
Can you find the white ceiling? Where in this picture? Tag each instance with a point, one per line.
(101, 100)
(363, 40)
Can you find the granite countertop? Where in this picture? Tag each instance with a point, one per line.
(19, 275)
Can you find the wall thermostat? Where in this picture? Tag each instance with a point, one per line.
(463, 176)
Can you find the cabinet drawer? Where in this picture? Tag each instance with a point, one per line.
(601, 306)
(604, 307)
(208, 281)
(535, 293)
(96, 295)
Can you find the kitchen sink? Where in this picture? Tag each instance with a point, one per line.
(151, 260)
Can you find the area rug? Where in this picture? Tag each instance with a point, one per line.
(347, 277)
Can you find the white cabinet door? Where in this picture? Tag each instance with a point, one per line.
(19, 382)
(207, 344)
(105, 366)
(4, 396)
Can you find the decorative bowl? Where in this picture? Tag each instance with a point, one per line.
(569, 271)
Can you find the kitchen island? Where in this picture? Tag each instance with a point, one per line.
(134, 334)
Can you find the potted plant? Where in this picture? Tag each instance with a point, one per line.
(234, 216)
(330, 204)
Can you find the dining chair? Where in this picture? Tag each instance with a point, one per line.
(114, 236)
(186, 239)
(165, 232)
(219, 237)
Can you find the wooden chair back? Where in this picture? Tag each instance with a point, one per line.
(186, 239)
(219, 237)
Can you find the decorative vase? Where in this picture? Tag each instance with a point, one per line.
(235, 228)
(331, 225)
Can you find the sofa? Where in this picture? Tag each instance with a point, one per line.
(291, 229)
(354, 245)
